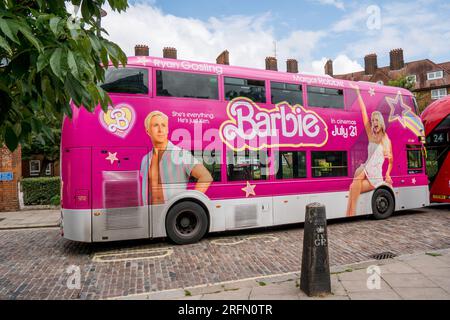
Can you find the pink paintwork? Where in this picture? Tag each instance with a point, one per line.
(88, 138)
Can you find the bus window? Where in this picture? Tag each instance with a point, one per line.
(291, 164)
(325, 97)
(329, 164)
(414, 159)
(291, 93)
(186, 85)
(252, 89)
(126, 80)
(211, 160)
(247, 165)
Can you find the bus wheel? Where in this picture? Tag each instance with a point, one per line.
(382, 204)
(186, 222)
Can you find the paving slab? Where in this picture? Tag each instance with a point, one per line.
(442, 282)
(30, 219)
(423, 293)
(240, 294)
(361, 285)
(354, 275)
(374, 295)
(414, 280)
(285, 288)
(397, 267)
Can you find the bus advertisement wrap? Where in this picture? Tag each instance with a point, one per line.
(183, 151)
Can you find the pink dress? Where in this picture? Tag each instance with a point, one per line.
(374, 164)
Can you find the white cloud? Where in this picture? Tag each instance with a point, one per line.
(249, 39)
(341, 64)
(336, 3)
(420, 30)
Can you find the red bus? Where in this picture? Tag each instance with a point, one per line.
(436, 119)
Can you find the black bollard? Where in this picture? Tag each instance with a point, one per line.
(315, 274)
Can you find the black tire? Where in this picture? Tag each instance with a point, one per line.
(383, 204)
(186, 222)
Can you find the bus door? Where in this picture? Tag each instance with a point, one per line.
(119, 211)
(438, 163)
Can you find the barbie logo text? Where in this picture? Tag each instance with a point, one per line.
(250, 126)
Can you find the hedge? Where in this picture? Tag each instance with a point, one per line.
(38, 191)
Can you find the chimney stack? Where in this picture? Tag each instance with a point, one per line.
(170, 53)
(223, 58)
(370, 63)
(396, 59)
(141, 50)
(291, 66)
(329, 67)
(271, 64)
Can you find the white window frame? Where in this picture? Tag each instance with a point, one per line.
(435, 75)
(438, 93)
(48, 170)
(413, 77)
(380, 82)
(35, 172)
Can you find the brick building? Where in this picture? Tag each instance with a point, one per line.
(431, 80)
(10, 173)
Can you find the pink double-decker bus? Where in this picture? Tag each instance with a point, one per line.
(189, 148)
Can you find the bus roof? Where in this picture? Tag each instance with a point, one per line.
(435, 113)
(219, 69)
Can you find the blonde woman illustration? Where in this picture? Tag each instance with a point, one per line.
(369, 175)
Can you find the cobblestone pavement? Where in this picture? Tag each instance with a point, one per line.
(34, 262)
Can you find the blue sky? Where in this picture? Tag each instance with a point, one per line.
(310, 31)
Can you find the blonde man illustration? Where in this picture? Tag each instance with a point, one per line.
(167, 168)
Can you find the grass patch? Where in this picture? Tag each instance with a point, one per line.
(187, 293)
(346, 270)
(433, 254)
(232, 289)
(262, 283)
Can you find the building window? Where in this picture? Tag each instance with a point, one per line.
(48, 169)
(329, 164)
(126, 80)
(291, 164)
(438, 93)
(35, 167)
(247, 165)
(186, 85)
(252, 89)
(291, 93)
(435, 75)
(325, 97)
(412, 78)
(380, 82)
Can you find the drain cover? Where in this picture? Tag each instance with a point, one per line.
(384, 255)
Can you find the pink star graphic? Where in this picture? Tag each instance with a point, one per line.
(249, 189)
(112, 157)
(398, 108)
(371, 92)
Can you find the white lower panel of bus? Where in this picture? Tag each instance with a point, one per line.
(80, 225)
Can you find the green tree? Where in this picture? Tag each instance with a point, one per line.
(408, 83)
(46, 144)
(402, 82)
(49, 57)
